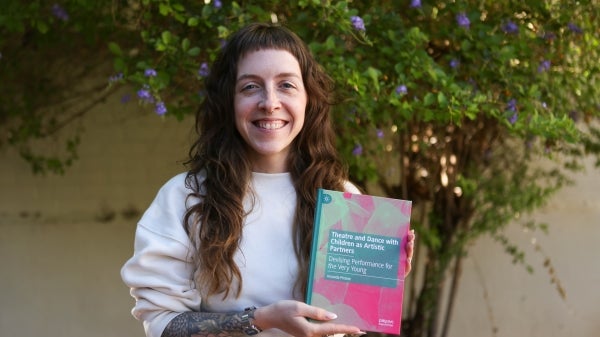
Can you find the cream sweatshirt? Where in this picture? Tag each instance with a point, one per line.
(160, 272)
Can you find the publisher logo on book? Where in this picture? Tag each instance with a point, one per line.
(386, 322)
(327, 198)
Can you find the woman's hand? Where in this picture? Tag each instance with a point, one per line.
(291, 317)
(410, 247)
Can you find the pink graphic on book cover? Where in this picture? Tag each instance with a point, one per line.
(358, 264)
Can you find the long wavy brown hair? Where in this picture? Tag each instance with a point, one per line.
(220, 170)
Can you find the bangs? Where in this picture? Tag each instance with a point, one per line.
(263, 36)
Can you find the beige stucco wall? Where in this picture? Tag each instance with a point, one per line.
(522, 304)
(63, 240)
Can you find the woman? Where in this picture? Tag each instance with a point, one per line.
(234, 232)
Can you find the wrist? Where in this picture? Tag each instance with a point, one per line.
(260, 318)
(248, 321)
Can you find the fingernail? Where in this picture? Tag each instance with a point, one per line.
(331, 315)
(358, 334)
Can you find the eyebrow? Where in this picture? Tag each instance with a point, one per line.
(280, 75)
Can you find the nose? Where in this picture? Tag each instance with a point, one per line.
(270, 101)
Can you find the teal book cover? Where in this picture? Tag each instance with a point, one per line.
(358, 259)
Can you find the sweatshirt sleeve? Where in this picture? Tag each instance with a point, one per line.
(350, 187)
(159, 274)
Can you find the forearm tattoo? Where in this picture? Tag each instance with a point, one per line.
(205, 324)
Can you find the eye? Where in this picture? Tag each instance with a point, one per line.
(249, 86)
(288, 85)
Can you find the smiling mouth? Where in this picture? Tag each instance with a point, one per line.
(270, 125)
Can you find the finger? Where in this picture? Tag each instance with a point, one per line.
(409, 249)
(362, 333)
(318, 313)
(410, 244)
(339, 334)
(337, 329)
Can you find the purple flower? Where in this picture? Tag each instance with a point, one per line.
(415, 3)
(574, 28)
(358, 150)
(358, 23)
(145, 95)
(379, 133)
(203, 71)
(160, 109)
(463, 20)
(60, 13)
(217, 4)
(401, 90)
(454, 63)
(512, 105)
(510, 28)
(150, 72)
(544, 66)
(115, 78)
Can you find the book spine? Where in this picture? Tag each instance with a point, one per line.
(315, 246)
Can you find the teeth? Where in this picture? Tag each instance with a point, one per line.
(271, 125)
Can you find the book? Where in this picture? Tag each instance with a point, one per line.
(358, 259)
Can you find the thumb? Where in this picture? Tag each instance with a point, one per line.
(320, 314)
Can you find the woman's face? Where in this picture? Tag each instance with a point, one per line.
(270, 103)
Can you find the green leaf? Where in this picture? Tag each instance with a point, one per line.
(178, 7)
(115, 49)
(120, 65)
(166, 37)
(374, 74)
(207, 12)
(42, 27)
(223, 32)
(429, 99)
(185, 44)
(160, 46)
(195, 51)
(193, 21)
(164, 9)
(442, 100)
(179, 17)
